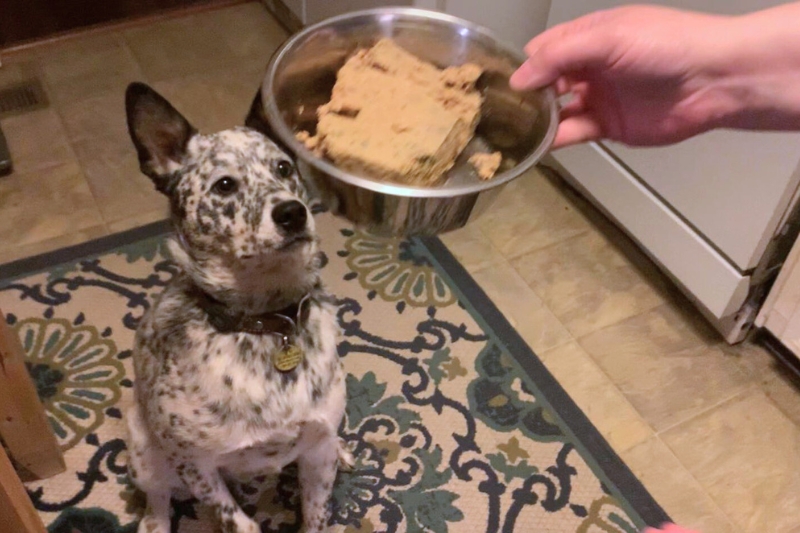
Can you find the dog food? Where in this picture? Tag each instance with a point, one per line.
(486, 164)
(394, 117)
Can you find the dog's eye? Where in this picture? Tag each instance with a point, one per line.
(225, 186)
(285, 169)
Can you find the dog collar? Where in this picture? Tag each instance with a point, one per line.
(283, 322)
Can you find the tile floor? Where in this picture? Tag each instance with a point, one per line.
(713, 431)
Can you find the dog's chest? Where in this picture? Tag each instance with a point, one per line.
(224, 391)
(248, 374)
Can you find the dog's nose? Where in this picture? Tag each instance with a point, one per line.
(290, 216)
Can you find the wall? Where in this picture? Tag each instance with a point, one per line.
(514, 21)
(317, 10)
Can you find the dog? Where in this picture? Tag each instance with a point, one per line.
(236, 367)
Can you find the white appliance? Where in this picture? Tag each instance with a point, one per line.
(716, 211)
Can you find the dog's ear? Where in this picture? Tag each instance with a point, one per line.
(159, 133)
(257, 120)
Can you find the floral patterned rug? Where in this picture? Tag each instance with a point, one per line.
(455, 423)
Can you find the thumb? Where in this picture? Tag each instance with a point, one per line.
(562, 50)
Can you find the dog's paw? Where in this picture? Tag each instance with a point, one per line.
(346, 461)
(239, 523)
(151, 525)
(250, 527)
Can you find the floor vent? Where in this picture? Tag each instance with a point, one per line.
(22, 97)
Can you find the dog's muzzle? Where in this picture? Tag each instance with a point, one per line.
(290, 216)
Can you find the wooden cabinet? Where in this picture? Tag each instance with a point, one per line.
(22, 21)
(780, 314)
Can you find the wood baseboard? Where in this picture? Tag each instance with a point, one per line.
(209, 5)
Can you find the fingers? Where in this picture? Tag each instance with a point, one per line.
(576, 129)
(558, 57)
(565, 49)
(577, 123)
(573, 54)
(525, 77)
(572, 94)
(562, 86)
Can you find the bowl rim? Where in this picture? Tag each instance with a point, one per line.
(282, 130)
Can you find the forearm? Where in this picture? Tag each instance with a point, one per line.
(648, 75)
(757, 71)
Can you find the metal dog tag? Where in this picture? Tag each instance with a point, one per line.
(288, 357)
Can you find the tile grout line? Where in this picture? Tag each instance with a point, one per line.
(582, 233)
(570, 334)
(761, 386)
(627, 402)
(120, 35)
(553, 244)
(38, 65)
(57, 110)
(508, 263)
(775, 404)
(749, 388)
(136, 59)
(659, 435)
(621, 393)
(624, 397)
(643, 311)
(116, 35)
(509, 260)
(745, 389)
(713, 501)
(38, 71)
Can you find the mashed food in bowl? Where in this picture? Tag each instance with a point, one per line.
(395, 117)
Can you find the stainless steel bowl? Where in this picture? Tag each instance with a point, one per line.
(521, 126)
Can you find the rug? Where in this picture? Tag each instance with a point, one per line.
(455, 423)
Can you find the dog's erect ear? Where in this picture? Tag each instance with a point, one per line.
(257, 120)
(159, 132)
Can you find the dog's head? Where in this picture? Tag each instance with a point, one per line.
(238, 204)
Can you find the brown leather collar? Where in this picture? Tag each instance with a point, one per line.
(284, 322)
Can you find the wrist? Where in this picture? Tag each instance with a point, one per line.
(753, 72)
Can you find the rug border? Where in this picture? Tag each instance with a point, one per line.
(38, 263)
(600, 451)
(605, 458)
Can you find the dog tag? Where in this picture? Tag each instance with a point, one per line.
(288, 358)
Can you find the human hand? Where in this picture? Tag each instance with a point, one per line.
(640, 75)
(668, 528)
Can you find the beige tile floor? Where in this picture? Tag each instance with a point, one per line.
(712, 431)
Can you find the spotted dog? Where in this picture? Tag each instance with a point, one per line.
(236, 367)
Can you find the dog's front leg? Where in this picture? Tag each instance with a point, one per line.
(206, 485)
(317, 472)
(147, 467)
(156, 516)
